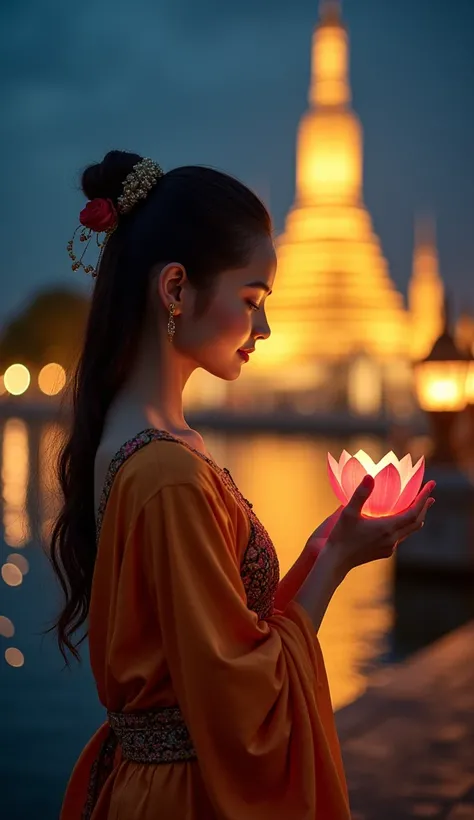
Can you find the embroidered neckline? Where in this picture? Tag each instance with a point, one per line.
(260, 571)
(135, 444)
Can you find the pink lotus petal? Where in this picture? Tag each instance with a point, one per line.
(352, 474)
(369, 466)
(411, 490)
(345, 456)
(385, 493)
(333, 473)
(334, 467)
(389, 458)
(405, 468)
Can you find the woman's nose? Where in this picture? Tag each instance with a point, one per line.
(262, 328)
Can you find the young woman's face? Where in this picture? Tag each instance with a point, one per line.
(234, 319)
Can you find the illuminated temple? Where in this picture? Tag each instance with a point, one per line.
(342, 338)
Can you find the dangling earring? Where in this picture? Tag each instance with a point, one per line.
(171, 324)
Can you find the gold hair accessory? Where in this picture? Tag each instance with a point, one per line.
(139, 183)
(97, 217)
(171, 322)
(101, 216)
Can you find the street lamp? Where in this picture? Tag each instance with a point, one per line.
(441, 382)
(446, 543)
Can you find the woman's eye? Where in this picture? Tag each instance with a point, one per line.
(252, 305)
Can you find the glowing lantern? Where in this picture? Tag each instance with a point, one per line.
(441, 377)
(470, 384)
(397, 483)
(442, 386)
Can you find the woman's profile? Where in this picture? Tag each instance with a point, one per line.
(208, 664)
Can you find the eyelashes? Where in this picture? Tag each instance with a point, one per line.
(252, 305)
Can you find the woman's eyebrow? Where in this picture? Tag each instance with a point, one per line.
(258, 284)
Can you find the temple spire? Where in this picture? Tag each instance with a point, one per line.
(426, 290)
(425, 232)
(330, 11)
(330, 58)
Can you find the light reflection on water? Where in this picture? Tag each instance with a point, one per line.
(15, 468)
(286, 480)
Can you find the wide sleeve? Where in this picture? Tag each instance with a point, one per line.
(248, 689)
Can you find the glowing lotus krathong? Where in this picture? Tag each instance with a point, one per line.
(397, 483)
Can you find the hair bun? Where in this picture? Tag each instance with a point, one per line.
(105, 179)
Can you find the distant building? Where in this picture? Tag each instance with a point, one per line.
(465, 332)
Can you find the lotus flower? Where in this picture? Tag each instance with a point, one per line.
(397, 483)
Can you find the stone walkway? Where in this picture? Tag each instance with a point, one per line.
(408, 743)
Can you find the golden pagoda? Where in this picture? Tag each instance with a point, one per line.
(334, 302)
(425, 292)
(341, 334)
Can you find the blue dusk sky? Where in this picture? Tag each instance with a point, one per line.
(224, 83)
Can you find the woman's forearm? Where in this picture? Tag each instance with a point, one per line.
(296, 576)
(320, 585)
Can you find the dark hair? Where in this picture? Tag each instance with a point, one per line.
(200, 217)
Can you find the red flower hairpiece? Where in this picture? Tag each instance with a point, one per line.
(99, 215)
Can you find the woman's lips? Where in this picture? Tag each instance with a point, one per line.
(244, 355)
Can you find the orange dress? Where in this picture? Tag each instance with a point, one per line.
(182, 615)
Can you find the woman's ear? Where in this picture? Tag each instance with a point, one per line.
(171, 284)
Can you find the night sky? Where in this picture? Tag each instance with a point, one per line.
(224, 83)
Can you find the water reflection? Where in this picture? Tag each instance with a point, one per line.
(286, 480)
(15, 479)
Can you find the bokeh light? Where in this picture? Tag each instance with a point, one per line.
(51, 379)
(3, 389)
(7, 630)
(19, 561)
(14, 657)
(17, 379)
(11, 575)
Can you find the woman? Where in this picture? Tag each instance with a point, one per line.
(210, 669)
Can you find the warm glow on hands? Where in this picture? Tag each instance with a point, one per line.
(397, 483)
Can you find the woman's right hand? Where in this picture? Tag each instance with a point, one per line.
(357, 539)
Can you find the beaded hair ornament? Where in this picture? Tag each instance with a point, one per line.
(101, 216)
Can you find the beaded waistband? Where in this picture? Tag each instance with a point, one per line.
(158, 736)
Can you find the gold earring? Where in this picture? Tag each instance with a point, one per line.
(171, 323)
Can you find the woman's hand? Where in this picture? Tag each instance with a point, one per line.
(355, 539)
(317, 540)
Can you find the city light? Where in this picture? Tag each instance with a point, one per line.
(17, 379)
(51, 379)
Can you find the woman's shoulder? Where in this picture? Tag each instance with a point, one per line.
(164, 463)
